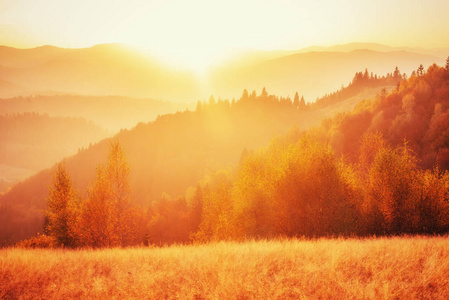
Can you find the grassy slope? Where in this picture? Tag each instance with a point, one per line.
(409, 267)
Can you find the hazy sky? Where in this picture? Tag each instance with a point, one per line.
(197, 32)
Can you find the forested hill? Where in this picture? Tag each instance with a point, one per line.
(381, 169)
(417, 111)
(166, 156)
(55, 139)
(32, 142)
(176, 151)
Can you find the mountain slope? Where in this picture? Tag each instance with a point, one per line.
(33, 142)
(165, 156)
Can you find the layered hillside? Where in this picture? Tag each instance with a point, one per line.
(177, 151)
(32, 142)
(108, 69)
(110, 112)
(166, 156)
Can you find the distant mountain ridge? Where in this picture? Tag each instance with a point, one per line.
(311, 73)
(115, 69)
(109, 69)
(438, 52)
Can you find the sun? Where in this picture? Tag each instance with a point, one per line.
(197, 59)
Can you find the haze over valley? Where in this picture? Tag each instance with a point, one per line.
(115, 87)
(154, 149)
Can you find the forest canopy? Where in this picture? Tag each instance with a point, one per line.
(378, 170)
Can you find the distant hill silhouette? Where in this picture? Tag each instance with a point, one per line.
(114, 69)
(438, 52)
(31, 142)
(311, 73)
(108, 69)
(111, 112)
(9, 89)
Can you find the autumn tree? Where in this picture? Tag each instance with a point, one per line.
(216, 208)
(310, 209)
(61, 210)
(169, 221)
(109, 218)
(253, 194)
(280, 192)
(95, 225)
(432, 205)
(391, 191)
(124, 213)
(371, 143)
(196, 208)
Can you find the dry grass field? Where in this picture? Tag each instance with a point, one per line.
(382, 268)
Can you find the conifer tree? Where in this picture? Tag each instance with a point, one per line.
(199, 106)
(420, 70)
(95, 226)
(61, 208)
(109, 218)
(117, 173)
(296, 101)
(245, 95)
(302, 103)
(397, 74)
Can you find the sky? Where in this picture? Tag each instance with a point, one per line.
(198, 33)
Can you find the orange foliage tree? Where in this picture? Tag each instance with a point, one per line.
(294, 190)
(391, 191)
(62, 208)
(169, 221)
(108, 218)
(216, 208)
(360, 173)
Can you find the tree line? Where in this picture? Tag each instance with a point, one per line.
(303, 189)
(299, 189)
(361, 81)
(105, 218)
(379, 170)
